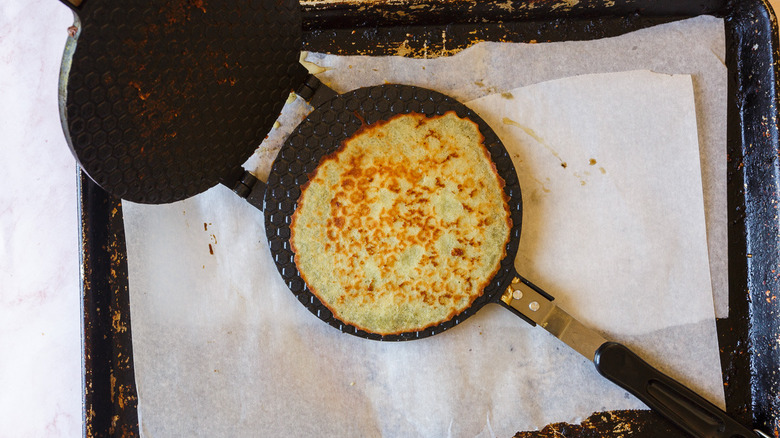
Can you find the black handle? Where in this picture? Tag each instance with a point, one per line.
(666, 396)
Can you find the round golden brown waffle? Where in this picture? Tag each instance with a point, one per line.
(404, 225)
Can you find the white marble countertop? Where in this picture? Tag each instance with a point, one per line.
(40, 334)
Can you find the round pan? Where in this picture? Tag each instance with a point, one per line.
(322, 133)
(339, 118)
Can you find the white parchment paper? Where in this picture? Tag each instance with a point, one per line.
(222, 348)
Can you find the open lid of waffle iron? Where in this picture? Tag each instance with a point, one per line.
(162, 100)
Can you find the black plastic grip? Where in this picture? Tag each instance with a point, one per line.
(666, 396)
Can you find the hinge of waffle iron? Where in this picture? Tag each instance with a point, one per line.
(315, 92)
(246, 185)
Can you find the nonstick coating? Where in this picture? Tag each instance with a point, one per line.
(322, 133)
(160, 100)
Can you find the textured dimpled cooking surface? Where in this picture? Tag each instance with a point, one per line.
(165, 98)
(321, 134)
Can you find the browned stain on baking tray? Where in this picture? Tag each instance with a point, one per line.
(422, 42)
(435, 28)
(616, 424)
(110, 400)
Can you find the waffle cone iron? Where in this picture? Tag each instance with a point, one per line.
(162, 100)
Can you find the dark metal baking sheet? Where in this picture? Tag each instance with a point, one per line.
(749, 338)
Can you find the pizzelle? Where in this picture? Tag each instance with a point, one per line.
(404, 225)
